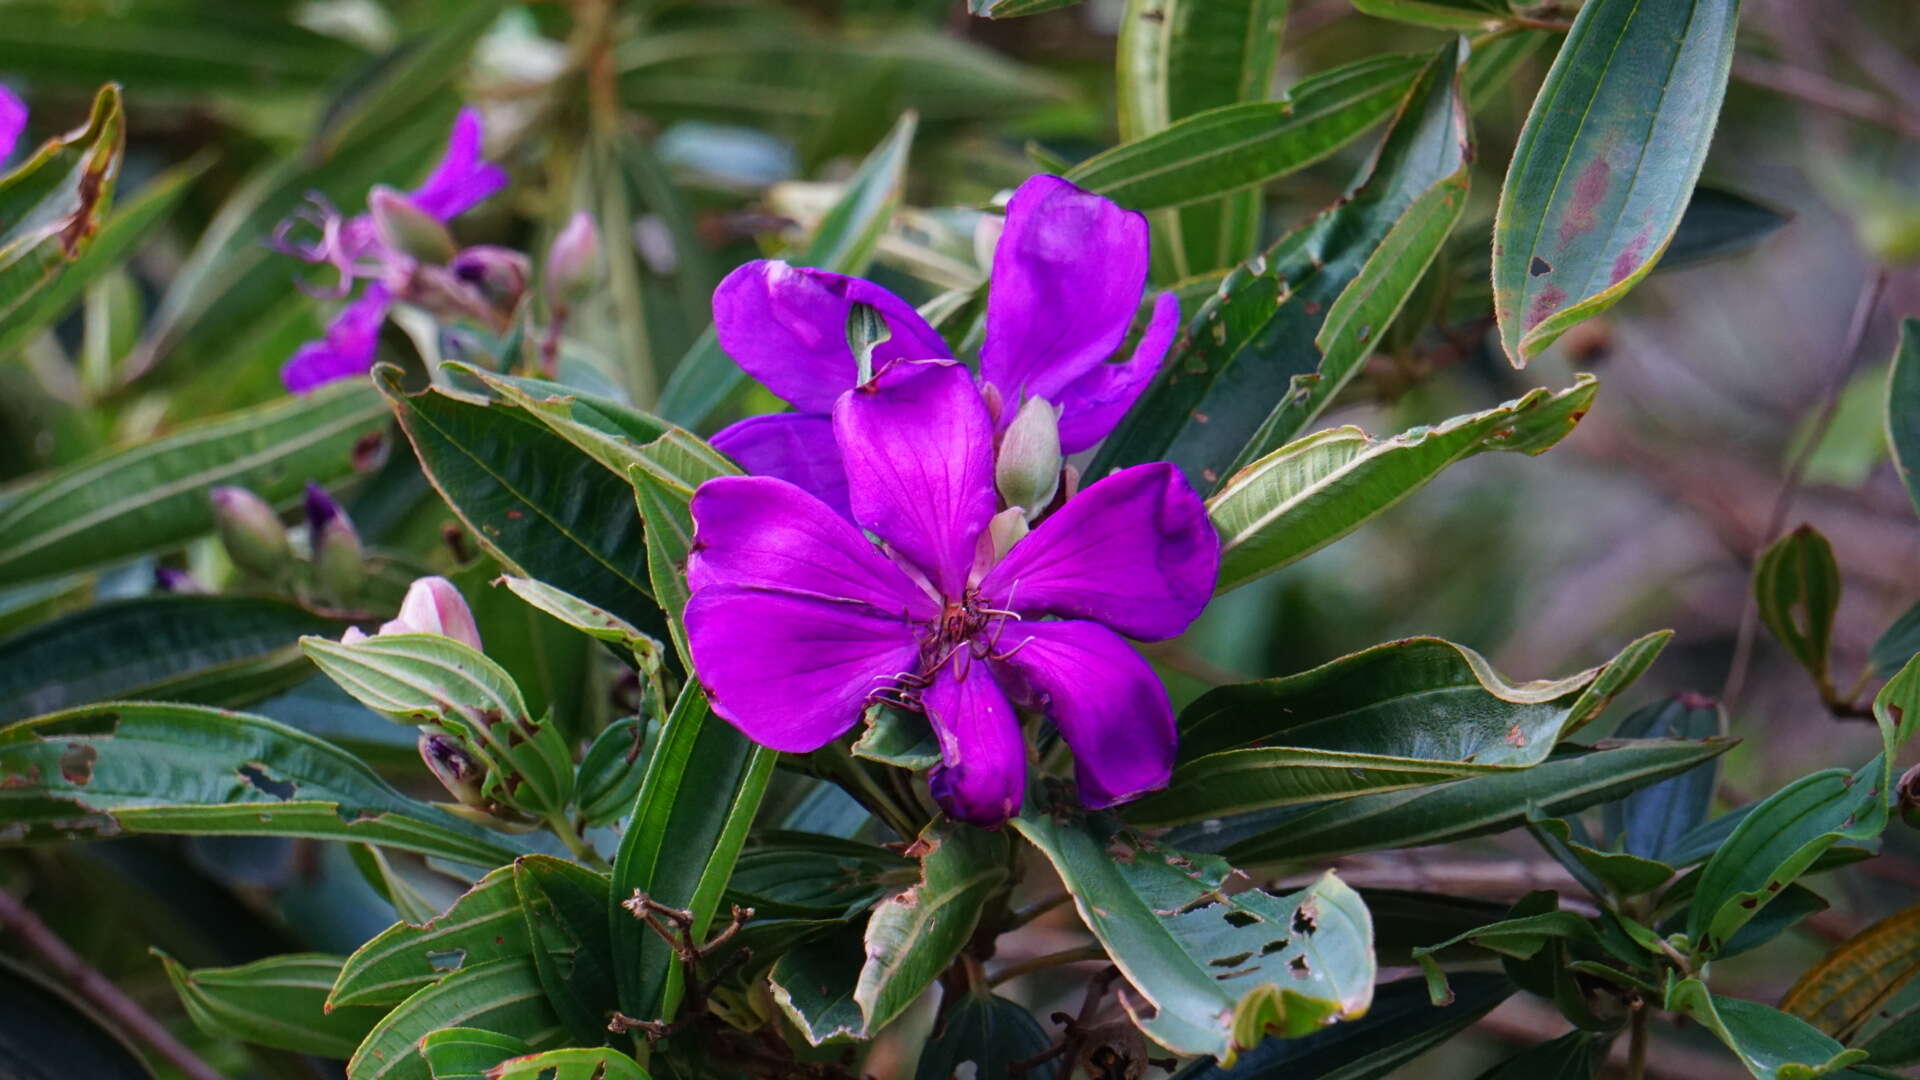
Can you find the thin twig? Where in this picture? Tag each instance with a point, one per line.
(1825, 92)
(83, 979)
(1079, 954)
(1030, 912)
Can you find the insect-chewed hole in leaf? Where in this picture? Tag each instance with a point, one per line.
(1305, 919)
(1199, 903)
(1231, 961)
(1273, 946)
(1240, 917)
(1539, 266)
(99, 723)
(76, 763)
(1298, 965)
(256, 774)
(446, 959)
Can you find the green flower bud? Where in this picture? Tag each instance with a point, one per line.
(1028, 469)
(251, 532)
(458, 771)
(409, 230)
(339, 560)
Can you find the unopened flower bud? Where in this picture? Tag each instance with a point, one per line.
(434, 606)
(405, 228)
(497, 273)
(573, 262)
(458, 771)
(1908, 791)
(1028, 469)
(1007, 528)
(250, 531)
(339, 560)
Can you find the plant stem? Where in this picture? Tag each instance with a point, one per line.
(1079, 954)
(83, 979)
(1032, 911)
(1637, 1042)
(576, 843)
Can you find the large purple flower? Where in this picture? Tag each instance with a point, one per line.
(1068, 274)
(354, 248)
(13, 121)
(797, 620)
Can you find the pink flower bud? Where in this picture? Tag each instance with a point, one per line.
(573, 262)
(500, 274)
(434, 606)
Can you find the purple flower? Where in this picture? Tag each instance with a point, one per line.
(13, 121)
(1068, 275)
(354, 248)
(797, 620)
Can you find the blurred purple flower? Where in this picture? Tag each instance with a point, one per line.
(13, 121)
(354, 248)
(1068, 274)
(797, 620)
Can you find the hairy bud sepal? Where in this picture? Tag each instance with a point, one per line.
(1027, 471)
(251, 532)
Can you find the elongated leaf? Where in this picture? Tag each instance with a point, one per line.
(1719, 222)
(1903, 408)
(1897, 644)
(483, 925)
(464, 1053)
(703, 785)
(52, 203)
(540, 506)
(1013, 9)
(1569, 781)
(611, 771)
(1797, 585)
(170, 647)
(501, 996)
(1219, 971)
(844, 242)
(278, 1002)
(791, 873)
(1597, 870)
(565, 907)
(992, 1033)
(151, 497)
(1401, 1025)
(813, 985)
(605, 430)
(1651, 822)
(1413, 712)
(1315, 490)
(1772, 1045)
(161, 50)
(1607, 161)
(570, 1063)
(1239, 355)
(119, 236)
(139, 767)
(1180, 57)
(1573, 1056)
(916, 933)
(1232, 147)
(1463, 15)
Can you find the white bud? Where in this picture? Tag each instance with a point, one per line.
(1028, 469)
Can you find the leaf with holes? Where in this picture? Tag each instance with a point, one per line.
(1315, 490)
(464, 1053)
(155, 768)
(1606, 162)
(1214, 971)
(278, 1002)
(915, 934)
(565, 909)
(484, 924)
(501, 996)
(570, 1063)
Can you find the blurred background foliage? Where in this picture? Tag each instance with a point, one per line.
(712, 131)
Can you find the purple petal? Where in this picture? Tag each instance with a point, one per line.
(1091, 405)
(461, 180)
(919, 451)
(982, 773)
(1134, 551)
(13, 121)
(787, 326)
(797, 448)
(792, 672)
(1067, 278)
(764, 533)
(1105, 699)
(349, 346)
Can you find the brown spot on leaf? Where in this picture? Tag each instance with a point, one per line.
(76, 763)
(1516, 737)
(1631, 257)
(1589, 189)
(1546, 303)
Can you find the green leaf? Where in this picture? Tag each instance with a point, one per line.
(49, 1035)
(143, 767)
(1180, 57)
(844, 242)
(666, 510)
(51, 204)
(1796, 583)
(169, 50)
(119, 236)
(463, 1053)
(1233, 147)
(1013, 9)
(806, 874)
(1410, 713)
(611, 771)
(1571, 780)
(1652, 822)
(1521, 938)
(992, 1033)
(899, 738)
(1240, 354)
(592, 620)
(914, 935)
(565, 907)
(483, 925)
(1607, 162)
(1219, 970)
(1315, 490)
(151, 497)
(1618, 872)
(430, 679)
(1574, 1056)
(1903, 408)
(1898, 644)
(813, 985)
(500, 995)
(278, 1002)
(571, 1063)
(703, 785)
(1772, 1045)
(540, 506)
(1401, 1025)
(1464, 15)
(222, 650)
(1719, 222)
